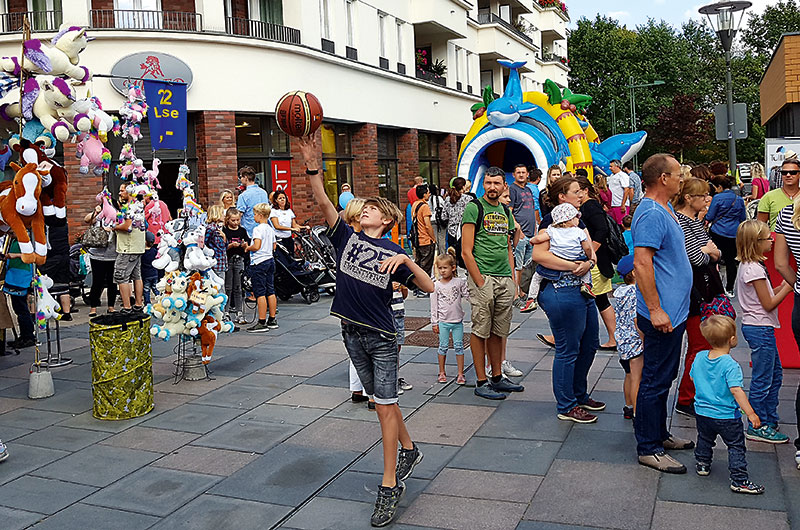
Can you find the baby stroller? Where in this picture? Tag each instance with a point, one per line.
(315, 248)
(78, 257)
(293, 276)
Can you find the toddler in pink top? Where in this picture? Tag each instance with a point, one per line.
(447, 315)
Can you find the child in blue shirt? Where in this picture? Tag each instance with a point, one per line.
(718, 381)
(627, 234)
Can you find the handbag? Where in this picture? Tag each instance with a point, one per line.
(95, 237)
(720, 305)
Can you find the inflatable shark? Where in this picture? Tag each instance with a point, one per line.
(539, 129)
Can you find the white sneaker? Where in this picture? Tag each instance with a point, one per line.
(510, 371)
(730, 294)
(4, 451)
(489, 371)
(797, 459)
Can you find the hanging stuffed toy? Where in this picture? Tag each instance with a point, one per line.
(59, 59)
(46, 305)
(92, 154)
(20, 209)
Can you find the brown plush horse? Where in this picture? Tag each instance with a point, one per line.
(54, 186)
(20, 209)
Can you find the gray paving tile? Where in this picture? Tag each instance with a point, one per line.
(244, 361)
(321, 397)
(323, 513)
(31, 418)
(671, 515)
(199, 419)
(87, 421)
(147, 439)
(447, 424)
(791, 487)
(86, 516)
(23, 459)
(252, 436)
(286, 474)
(73, 401)
(715, 488)
(528, 457)
(485, 485)
(205, 460)
(8, 382)
(64, 438)
(456, 513)
(525, 420)
(153, 490)
(211, 512)
(363, 487)
(566, 496)
(337, 375)
(540, 525)
(435, 458)
(271, 381)
(97, 465)
(43, 495)
(305, 363)
(610, 447)
(293, 415)
(17, 519)
(338, 434)
(13, 433)
(237, 396)
(465, 396)
(195, 388)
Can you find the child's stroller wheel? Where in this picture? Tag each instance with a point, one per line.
(311, 295)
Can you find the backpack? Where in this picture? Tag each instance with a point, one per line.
(413, 232)
(615, 241)
(439, 211)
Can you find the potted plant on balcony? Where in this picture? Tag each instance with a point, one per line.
(554, 3)
(429, 69)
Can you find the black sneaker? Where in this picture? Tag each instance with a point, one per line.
(406, 460)
(686, 410)
(272, 323)
(506, 385)
(371, 405)
(747, 487)
(386, 504)
(486, 391)
(702, 469)
(627, 412)
(258, 327)
(358, 398)
(66, 317)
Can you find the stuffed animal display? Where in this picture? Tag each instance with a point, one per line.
(46, 306)
(61, 58)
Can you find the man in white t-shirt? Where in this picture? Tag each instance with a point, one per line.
(621, 191)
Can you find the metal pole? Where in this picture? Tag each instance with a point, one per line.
(731, 124)
(613, 118)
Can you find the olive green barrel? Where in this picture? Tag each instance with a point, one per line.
(122, 366)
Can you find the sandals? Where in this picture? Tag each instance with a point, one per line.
(544, 341)
(461, 380)
(442, 377)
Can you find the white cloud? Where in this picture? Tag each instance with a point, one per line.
(619, 15)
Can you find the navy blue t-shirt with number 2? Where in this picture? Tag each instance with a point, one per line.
(363, 293)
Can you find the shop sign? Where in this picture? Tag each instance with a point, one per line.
(282, 177)
(150, 65)
(166, 114)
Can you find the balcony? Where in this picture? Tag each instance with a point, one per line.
(438, 19)
(487, 17)
(552, 23)
(555, 5)
(261, 30)
(39, 21)
(431, 77)
(152, 20)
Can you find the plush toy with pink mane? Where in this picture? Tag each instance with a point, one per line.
(93, 155)
(108, 214)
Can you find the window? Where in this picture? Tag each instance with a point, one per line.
(351, 40)
(325, 19)
(337, 159)
(382, 32)
(505, 13)
(429, 157)
(467, 71)
(148, 16)
(387, 165)
(267, 11)
(45, 14)
(258, 142)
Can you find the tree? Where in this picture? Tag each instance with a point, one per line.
(682, 126)
(764, 30)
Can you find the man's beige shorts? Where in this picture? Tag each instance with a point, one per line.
(492, 305)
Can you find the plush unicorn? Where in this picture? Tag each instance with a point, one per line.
(34, 132)
(93, 154)
(132, 112)
(20, 209)
(46, 306)
(108, 214)
(169, 252)
(102, 122)
(174, 323)
(58, 60)
(151, 176)
(50, 101)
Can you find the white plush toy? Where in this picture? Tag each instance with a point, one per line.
(174, 324)
(46, 305)
(59, 59)
(195, 258)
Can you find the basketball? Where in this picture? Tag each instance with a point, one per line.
(298, 113)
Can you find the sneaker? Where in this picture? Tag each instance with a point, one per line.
(66, 317)
(662, 462)
(510, 371)
(400, 391)
(442, 377)
(772, 424)
(519, 302)
(673, 443)
(506, 385)
(406, 460)
(241, 320)
(530, 306)
(747, 487)
(578, 415)
(258, 327)
(358, 398)
(371, 405)
(592, 405)
(3, 451)
(386, 504)
(489, 371)
(797, 459)
(487, 392)
(586, 291)
(461, 380)
(272, 323)
(702, 469)
(732, 295)
(422, 294)
(627, 412)
(686, 410)
(544, 340)
(767, 434)
(403, 384)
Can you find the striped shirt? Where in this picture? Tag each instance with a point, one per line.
(785, 227)
(696, 236)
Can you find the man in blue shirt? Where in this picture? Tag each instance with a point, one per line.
(534, 178)
(635, 182)
(524, 209)
(662, 303)
(253, 194)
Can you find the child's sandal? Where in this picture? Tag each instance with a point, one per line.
(442, 377)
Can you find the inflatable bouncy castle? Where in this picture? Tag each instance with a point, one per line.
(538, 129)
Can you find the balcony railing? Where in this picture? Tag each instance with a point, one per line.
(39, 20)
(555, 58)
(156, 20)
(431, 77)
(487, 17)
(261, 30)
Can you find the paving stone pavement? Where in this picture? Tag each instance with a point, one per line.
(273, 441)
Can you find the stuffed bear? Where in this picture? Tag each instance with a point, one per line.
(195, 259)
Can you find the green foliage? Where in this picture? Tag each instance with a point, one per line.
(606, 56)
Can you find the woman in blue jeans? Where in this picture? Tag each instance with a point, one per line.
(573, 318)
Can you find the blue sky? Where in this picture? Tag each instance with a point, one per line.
(632, 13)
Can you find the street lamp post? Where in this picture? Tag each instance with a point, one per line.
(632, 87)
(726, 28)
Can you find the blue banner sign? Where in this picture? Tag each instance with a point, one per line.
(166, 113)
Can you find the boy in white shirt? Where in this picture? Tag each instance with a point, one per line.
(262, 269)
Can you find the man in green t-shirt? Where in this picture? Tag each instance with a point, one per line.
(487, 252)
(770, 205)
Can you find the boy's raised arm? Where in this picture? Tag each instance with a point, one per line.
(309, 150)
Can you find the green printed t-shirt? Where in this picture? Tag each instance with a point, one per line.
(772, 203)
(491, 239)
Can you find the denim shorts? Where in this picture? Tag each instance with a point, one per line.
(263, 278)
(400, 328)
(374, 355)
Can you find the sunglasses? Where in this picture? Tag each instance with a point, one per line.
(790, 172)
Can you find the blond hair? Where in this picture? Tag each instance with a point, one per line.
(690, 186)
(450, 259)
(757, 171)
(389, 212)
(718, 330)
(263, 209)
(225, 192)
(352, 211)
(748, 246)
(216, 213)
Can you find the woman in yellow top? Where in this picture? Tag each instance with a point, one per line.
(770, 205)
